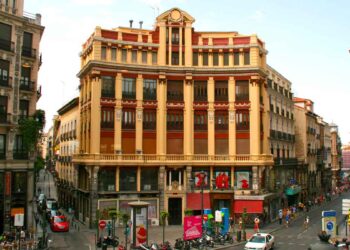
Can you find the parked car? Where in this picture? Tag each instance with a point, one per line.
(51, 205)
(260, 241)
(59, 224)
(52, 214)
(41, 198)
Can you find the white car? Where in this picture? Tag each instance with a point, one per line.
(260, 241)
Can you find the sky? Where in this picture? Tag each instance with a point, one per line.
(308, 42)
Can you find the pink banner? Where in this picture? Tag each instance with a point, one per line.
(192, 227)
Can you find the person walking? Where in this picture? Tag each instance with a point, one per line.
(287, 220)
(256, 225)
(306, 222)
(280, 216)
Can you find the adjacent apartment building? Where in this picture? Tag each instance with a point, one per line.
(168, 112)
(20, 35)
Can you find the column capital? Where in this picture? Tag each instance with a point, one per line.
(258, 80)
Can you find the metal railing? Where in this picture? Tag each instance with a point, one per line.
(28, 52)
(178, 159)
(26, 85)
(6, 83)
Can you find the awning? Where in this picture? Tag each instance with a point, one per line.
(194, 201)
(253, 207)
(17, 210)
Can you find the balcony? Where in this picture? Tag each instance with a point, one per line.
(6, 83)
(7, 45)
(175, 96)
(173, 160)
(221, 98)
(107, 94)
(149, 125)
(5, 118)
(20, 155)
(29, 52)
(26, 85)
(242, 97)
(149, 96)
(109, 124)
(129, 95)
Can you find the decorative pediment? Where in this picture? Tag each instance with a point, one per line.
(175, 15)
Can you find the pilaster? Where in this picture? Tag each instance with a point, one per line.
(162, 44)
(232, 116)
(139, 113)
(211, 115)
(188, 116)
(96, 115)
(161, 116)
(188, 44)
(118, 114)
(254, 130)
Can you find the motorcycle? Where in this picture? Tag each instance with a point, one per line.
(166, 246)
(153, 246)
(108, 240)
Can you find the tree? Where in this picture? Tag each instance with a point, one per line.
(163, 216)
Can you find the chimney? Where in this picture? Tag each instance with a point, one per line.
(141, 22)
(130, 21)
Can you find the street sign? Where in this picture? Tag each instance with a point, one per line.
(329, 222)
(19, 220)
(102, 224)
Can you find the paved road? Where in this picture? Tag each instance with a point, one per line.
(296, 237)
(72, 240)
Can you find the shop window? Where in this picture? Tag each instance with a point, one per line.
(149, 179)
(106, 179)
(222, 177)
(19, 182)
(127, 179)
(201, 178)
(243, 179)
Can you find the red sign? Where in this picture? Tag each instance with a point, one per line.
(102, 224)
(205, 217)
(8, 183)
(192, 227)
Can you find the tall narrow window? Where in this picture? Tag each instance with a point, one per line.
(175, 58)
(144, 57)
(200, 91)
(175, 90)
(103, 53)
(226, 59)
(27, 44)
(149, 89)
(242, 90)
(154, 57)
(113, 54)
(215, 58)
(134, 56)
(128, 120)
(107, 89)
(205, 58)
(4, 72)
(129, 88)
(200, 121)
(195, 58)
(149, 120)
(3, 109)
(221, 120)
(107, 118)
(175, 38)
(236, 58)
(25, 79)
(23, 109)
(246, 58)
(5, 37)
(242, 120)
(18, 148)
(221, 91)
(124, 55)
(2, 147)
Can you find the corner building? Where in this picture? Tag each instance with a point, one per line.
(159, 106)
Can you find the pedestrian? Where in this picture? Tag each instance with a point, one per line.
(23, 235)
(109, 228)
(256, 225)
(280, 216)
(287, 220)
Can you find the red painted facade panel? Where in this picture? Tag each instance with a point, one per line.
(144, 38)
(242, 135)
(205, 41)
(155, 35)
(221, 135)
(241, 40)
(253, 207)
(149, 134)
(129, 37)
(107, 133)
(109, 34)
(128, 134)
(195, 38)
(175, 135)
(194, 201)
(200, 135)
(220, 41)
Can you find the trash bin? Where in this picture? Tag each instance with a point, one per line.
(239, 236)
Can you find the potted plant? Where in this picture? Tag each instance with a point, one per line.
(323, 236)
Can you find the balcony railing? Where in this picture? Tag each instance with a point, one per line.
(129, 95)
(200, 98)
(149, 96)
(242, 97)
(20, 155)
(26, 85)
(201, 127)
(28, 52)
(221, 98)
(5, 118)
(7, 45)
(125, 159)
(108, 94)
(149, 125)
(174, 96)
(107, 124)
(6, 83)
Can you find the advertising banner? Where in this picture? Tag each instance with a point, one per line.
(243, 180)
(141, 225)
(192, 227)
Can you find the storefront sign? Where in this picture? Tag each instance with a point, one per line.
(192, 227)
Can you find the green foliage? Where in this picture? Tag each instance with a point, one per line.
(39, 164)
(164, 215)
(188, 212)
(31, 129)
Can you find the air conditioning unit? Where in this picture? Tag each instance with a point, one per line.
(155, 222)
